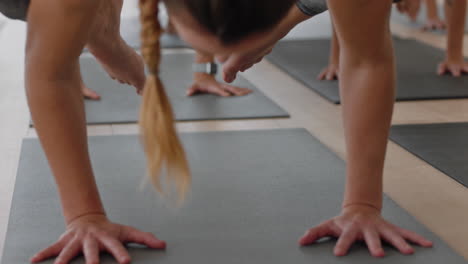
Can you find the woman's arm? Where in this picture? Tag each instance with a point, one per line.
(367, 87)
(53, 88)
(57, 32)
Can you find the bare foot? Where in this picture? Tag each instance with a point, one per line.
(434, 24)
(120, 61)
(88, 93)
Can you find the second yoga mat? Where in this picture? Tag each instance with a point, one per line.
(120, 103)
(444, 146)
(416, 69)
(254, 194)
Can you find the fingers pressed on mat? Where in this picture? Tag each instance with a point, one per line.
(346, 240)
(131, 234)
(116, 248)
(395, 239)
(70, 251)
(91, 250)
(373, 242)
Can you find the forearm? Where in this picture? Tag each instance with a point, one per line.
(367, 94)
(54, 96)
(367, 90)
(58, 114)
(456, 12)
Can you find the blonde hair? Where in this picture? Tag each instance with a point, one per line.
(163, 149)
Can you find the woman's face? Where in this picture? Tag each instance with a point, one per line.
(202, 40)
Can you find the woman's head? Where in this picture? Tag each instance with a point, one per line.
(214, 26)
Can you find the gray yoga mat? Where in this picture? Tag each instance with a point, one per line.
(130, 29)
(416, 69)
(254, 194)
(421, 19)
(444, 146)
(120, 103)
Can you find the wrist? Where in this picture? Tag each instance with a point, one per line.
(454, 56)
(362, 205)
(87, 214)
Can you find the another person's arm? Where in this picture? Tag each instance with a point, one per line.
(454, 62)
(57, 32)
(367, 86)
(330, 73)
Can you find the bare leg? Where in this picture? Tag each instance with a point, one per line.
(433, 20)
(454, 63)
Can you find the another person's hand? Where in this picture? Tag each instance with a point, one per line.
(330, 73)
(410, 8)
(362, 223)
(434, 24)
(206, 83)
(455, 69)
(92, 234)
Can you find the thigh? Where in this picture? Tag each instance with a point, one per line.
(14, 9)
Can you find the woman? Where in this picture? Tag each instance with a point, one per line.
(240, 33)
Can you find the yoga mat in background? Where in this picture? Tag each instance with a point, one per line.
(416, 69)
(130, 29)
(120, 103)
(254, 194)
(421, 19)
(444, 146)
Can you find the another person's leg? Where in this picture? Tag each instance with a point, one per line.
(206, 83)
(454, 62)
(331, 71)
(433, 21)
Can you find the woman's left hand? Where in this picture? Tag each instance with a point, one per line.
(364, 223)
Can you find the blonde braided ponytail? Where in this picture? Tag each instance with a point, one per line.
(164, 151)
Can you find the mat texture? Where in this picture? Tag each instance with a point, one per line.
(120, 104)
(416, 69)
(130, 29)
(254, 194)
(444, 146)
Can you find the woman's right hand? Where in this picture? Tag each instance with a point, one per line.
(92, 234)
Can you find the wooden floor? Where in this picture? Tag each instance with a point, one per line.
(434, 199)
